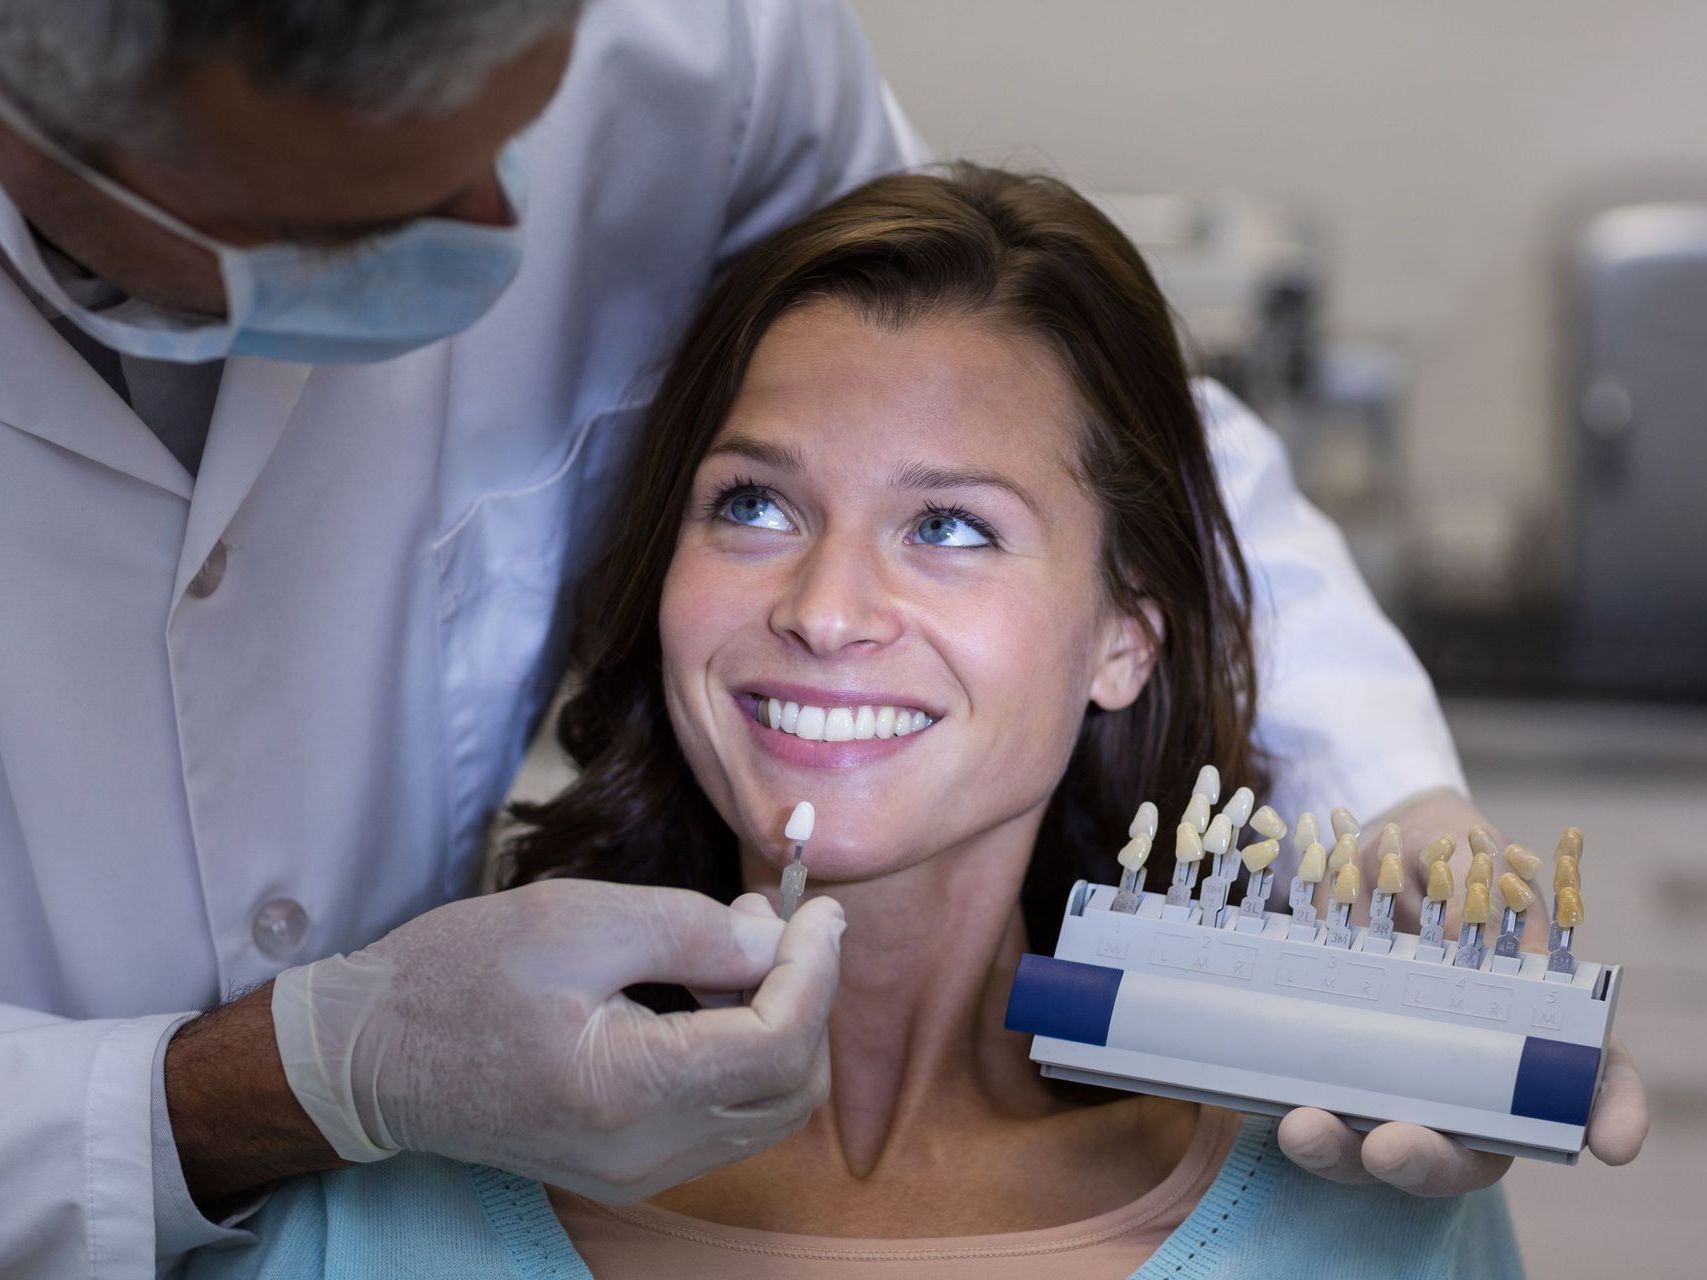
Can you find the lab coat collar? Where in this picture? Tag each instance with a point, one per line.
(48, 390)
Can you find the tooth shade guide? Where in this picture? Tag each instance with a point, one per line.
(1344, 824)
(1526, 864)
(1135, 852)
(1566, 875)
(1238, 809)
(801, 822)
(1391, 878)
(1438, 850)
(1346, 885)
(1481, 843)
(1344, 854)
(1391, 843)
(1481, 869)
(1313, 865)
(1306, 833)
(1570, 844)
(1208, 784)
(1568, 909)
(1439, 882)
(1476, 904)
(1188, 844)
(1267, 822)
(1261, 855)
(1219, 838)
(1145, 821)
(1517, 894)
(1197, 814)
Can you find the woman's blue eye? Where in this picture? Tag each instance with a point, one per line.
(755, 510)
(952, 529)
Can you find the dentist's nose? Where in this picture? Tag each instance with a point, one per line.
(837, 596)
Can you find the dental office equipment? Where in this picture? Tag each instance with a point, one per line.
(1133, 855)
(1277, 1010)
(799, 830)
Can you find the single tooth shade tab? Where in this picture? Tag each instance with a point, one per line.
(1476, 904)
(1438, 850)
(1570, 844)
(1518, 895)
(1145, 822)
(1482, 842)
(1269, 823)
(1208, 784)
(1521, 860)
(1313, 866)
(1188, 844)
(1346, 884)
(1307, 832)
(1197, 813)
(1568, 910)
(1135, 852)
(1219, 837)
(1239, 805)
(1439, 881)
(1566, 874)
(1344, 824)
(1392, 875)
(1344, 852)
(1481, 868)
(1391, 842)
(799, 828)
(1259, 856)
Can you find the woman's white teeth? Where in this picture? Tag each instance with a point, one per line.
(840, 724)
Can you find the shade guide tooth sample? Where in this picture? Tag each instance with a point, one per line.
(1482, 842)
(1391, 842)
(1343, 853)
(1439, 882)
(1518, 895)
(1268, 823)
(1568, 909)
(1238, 807)
(1566, 875)
(1481, 869)
(1306, 833)
(1344, 824)
(799, 830)
(1259, 856)
(1438, 850)
(1197, 813)
(1391, 878)
(1135, 852)
(1347, 884)
(1219, 837)
(1208, 783)
(1476, 904)
(1188, 844)
(1526, 864)
(1313, 866)
(1570, 844)
(1145, 821)
(800, 822)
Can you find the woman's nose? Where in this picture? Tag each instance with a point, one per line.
(837, 596)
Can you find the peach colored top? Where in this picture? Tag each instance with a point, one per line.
(641, 1242)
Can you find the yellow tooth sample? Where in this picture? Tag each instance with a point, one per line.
(1439, 881)
(1566, 874)
(1391, 842)
(1269, 823)
(1518, 895)
(1313, 866)
(1568, 909)
(1344, 823)
(1481, 866)
(1344, 852)
(1197, 813)
(1346, 884)
(1570, 844)
(1476, 904)
(1437, 851)
(1259, 855)
(1135, 853)
(1219, 837)
(1306, 833)
(1188, 844)
(1392, 875)
(1521, 860)
(1482, 842)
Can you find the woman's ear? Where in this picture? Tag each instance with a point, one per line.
(1129, 647)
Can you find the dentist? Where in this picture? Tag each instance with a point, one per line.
(324, 333)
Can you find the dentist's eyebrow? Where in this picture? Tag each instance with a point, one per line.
(921, 475)
(782, 457)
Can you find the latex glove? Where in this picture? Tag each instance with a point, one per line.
(494, 1030)
(1424, 1161)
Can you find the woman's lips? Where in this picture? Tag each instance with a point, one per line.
(806, 753)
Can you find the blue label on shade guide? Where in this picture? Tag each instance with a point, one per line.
(1063, 999)
(1555, 1081)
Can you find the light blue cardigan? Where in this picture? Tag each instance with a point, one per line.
(1261, 1219)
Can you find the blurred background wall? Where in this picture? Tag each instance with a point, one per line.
(1428, 178)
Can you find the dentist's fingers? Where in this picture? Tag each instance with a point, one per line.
(1427, 1163)
(1619, 1122)
(1323, 1144)
(748, 904)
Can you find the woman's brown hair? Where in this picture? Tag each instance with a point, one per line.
(1021, 255)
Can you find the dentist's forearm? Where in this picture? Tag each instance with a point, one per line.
(235, 1121)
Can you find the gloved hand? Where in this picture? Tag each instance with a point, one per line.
(495, 1030)
(1409, 1156)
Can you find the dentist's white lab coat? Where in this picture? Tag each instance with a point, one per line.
(329, 727)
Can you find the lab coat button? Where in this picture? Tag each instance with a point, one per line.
(280, 927)
(210, 575)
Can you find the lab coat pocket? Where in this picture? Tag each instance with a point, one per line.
(507, 571)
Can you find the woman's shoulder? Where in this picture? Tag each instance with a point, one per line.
(416, 1215)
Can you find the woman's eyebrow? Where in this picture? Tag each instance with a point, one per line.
(923, 475)
(782, 457)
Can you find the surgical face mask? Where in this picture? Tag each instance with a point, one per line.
(371, 301)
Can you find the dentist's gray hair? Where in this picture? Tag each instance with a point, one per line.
(92, 72)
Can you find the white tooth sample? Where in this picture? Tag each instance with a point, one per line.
(920, 721)
(1197, 813)
(800, 822)
(903, 723)
(1238, 807)
(1135, 853)
(886, 722)
(1188, 844)
(1344, 823)
(1219, 836)
(810, 726)
(790, 716)
(1307, 832)
(1145, 821)
(865, 724)
(838, 724)
(1269, 823)
(1208, 784)
(773, 710)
